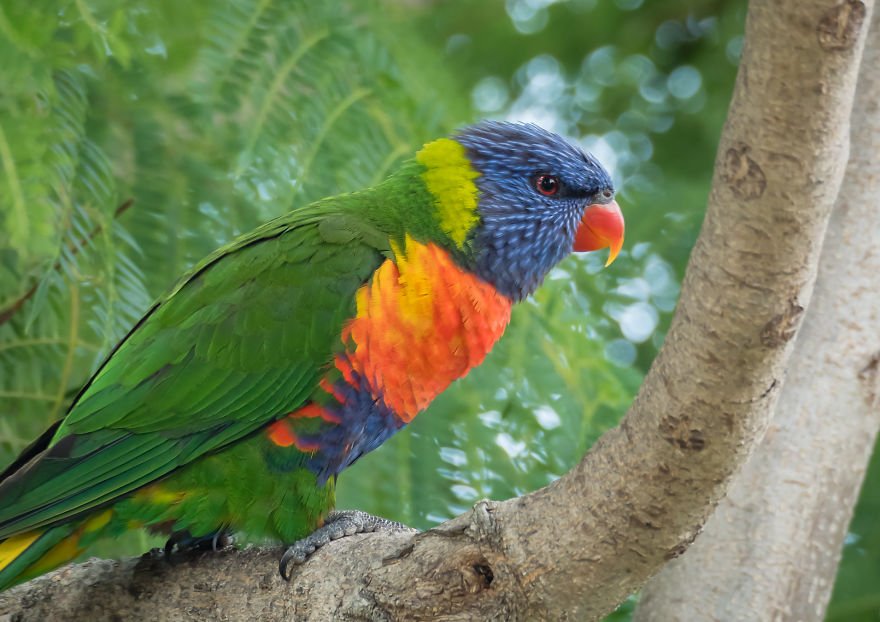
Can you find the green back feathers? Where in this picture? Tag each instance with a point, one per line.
(241, 341)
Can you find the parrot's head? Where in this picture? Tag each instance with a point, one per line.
(538, 199)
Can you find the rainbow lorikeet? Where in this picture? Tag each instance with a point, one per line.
(236, 401)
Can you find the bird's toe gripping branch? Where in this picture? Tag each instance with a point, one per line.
(183, 543)
(337, 525)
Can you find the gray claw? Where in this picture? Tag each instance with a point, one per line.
(337, 525)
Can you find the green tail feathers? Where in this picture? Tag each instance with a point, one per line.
(27, 555)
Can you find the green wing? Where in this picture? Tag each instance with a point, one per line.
(240, 342)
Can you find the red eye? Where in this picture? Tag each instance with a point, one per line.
(547, 185)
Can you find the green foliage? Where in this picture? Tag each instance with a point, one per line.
(856, 595)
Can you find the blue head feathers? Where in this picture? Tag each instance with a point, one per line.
(534, 187)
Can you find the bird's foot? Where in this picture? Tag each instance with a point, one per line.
(182, 542)
(336, 525)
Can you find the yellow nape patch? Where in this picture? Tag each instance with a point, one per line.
(15, 546)
(449, 176)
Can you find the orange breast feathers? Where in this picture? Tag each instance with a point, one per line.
(421, 323)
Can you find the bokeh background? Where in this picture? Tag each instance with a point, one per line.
(212, 117)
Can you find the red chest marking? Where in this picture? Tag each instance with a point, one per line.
(421, 323)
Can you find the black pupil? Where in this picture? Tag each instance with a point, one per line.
(547, 184)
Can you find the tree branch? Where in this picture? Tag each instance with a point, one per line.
(772, 548)
(575, 549)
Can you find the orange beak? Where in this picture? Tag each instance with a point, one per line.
(601, 227)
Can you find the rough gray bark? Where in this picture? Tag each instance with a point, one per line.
(772, 548)
(575, 549)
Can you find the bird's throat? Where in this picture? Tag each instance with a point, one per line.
(421, 323)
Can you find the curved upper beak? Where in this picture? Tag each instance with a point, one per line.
(601, 226)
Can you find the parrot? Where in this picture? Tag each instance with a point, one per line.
(234, 403)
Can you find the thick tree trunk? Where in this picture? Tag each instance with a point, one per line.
(575, 549)
(771, 549)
